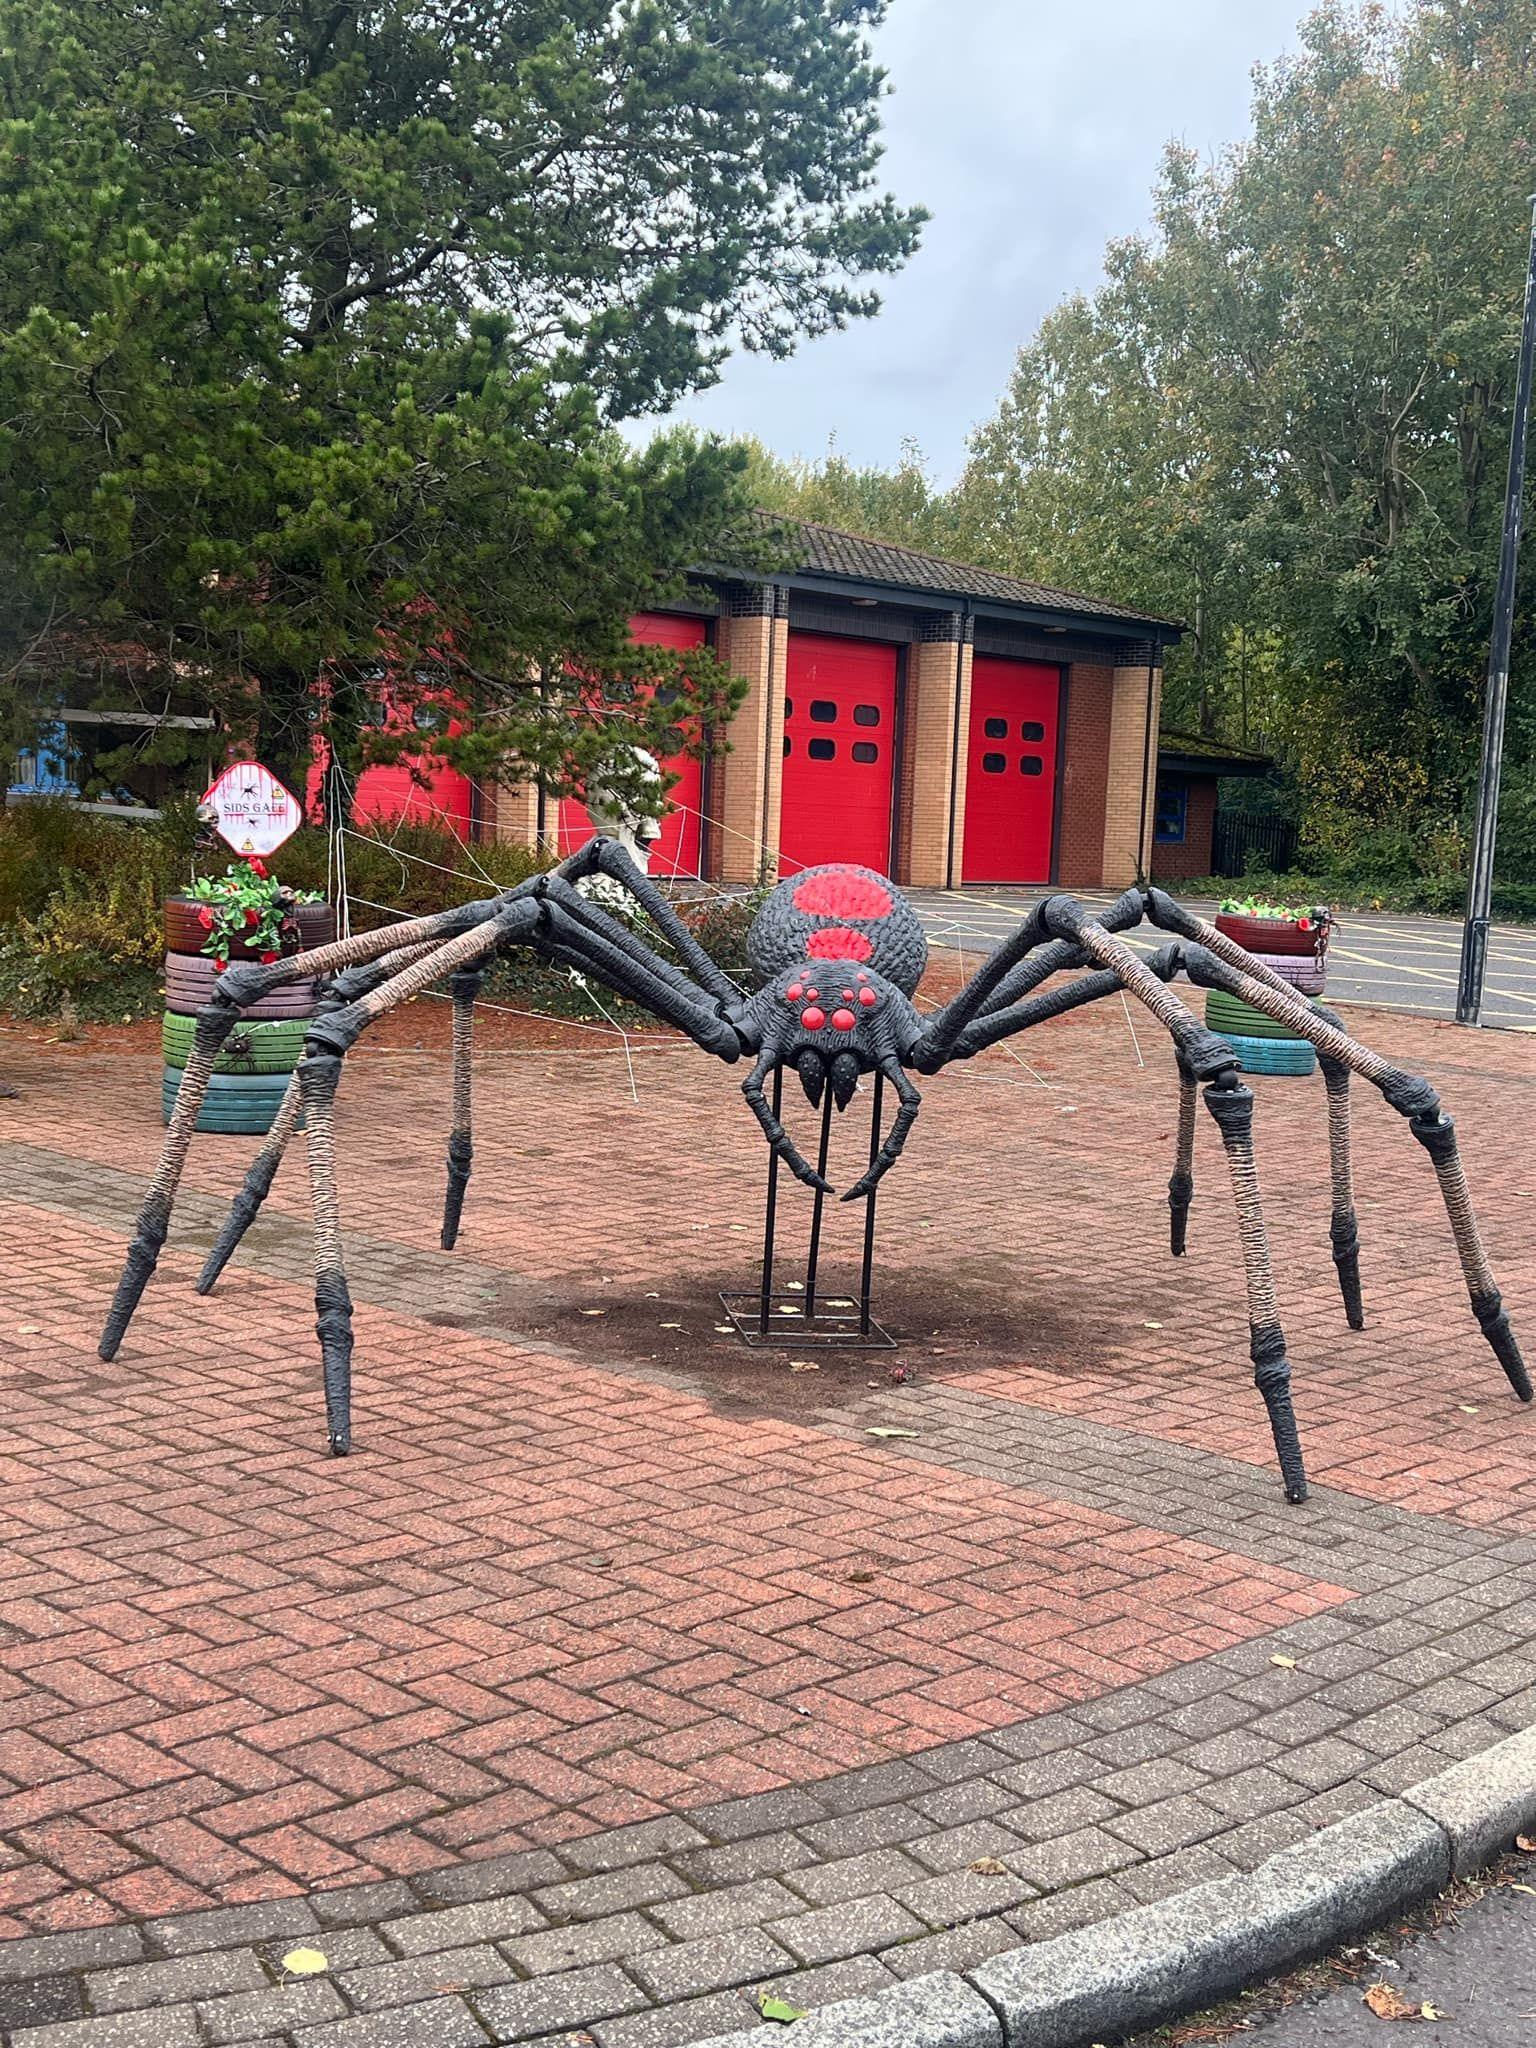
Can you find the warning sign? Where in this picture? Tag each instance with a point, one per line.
(255, 812)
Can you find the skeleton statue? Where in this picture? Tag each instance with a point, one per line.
(836, 955)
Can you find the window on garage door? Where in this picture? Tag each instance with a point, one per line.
(839, 752)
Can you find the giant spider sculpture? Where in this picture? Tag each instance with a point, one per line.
(837, 954)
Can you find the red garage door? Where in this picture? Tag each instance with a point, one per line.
(839, 753)
(1010, 779)
(676, 852)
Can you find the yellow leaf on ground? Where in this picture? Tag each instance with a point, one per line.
(988, 1866)
(1285, 1663)
(304, 1962)
(1388, 2003)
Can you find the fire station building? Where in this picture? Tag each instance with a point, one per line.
(942, 724)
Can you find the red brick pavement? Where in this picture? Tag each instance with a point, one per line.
(547, 1598)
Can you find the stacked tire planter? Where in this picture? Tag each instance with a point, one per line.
(250, 1076)
(1298, 956)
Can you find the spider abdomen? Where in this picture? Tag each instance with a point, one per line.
(839, 913)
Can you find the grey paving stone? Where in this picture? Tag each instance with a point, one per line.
(356, 1904)
(229, 1926)
(1221, 1756)
(833, 1932)
(974, 1757)
(878, 1785)
(575, 1999)
(40, 2003)
(1170, 1824)
(955, 1948)
(939, 2011)
(851, 1833)
(954, 1848)
(733, 1820)
(92, 1948)
(441, 2023)
(1256, 1791)
(609, 1891)
(168, 1983)
(855, 1877)
(1319, 1764)
(1138, 1744)
(491, 1878)
(688, 1969)
(740, 1905)
(344, 1948)
(429, 1976)
(620, 1847)
(1073, 1859)
(1062, 1912)
(1063, 1813)
(851, 1978)
(1212, 1715)
(959, 1895)
(276, 2010)
(1057, 1771)
(174, 2029)
(1165, 1876)
(589, 1941)
(972, 1799)
(1038, 1737)
(458, 1926)
(700, 2018)
(734, 1863)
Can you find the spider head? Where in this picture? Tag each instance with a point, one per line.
(831, 1021)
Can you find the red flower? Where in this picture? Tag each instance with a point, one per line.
(219, 966)
(257, 867)
(252, 917)
(267, 959)
(205, 918)
(1303, 924)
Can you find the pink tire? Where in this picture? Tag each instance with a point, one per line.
(1307, 975)
(189, 980)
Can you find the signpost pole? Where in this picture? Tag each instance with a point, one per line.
(1474, 938)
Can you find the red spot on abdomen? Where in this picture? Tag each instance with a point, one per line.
(839, 942)
(842, 893)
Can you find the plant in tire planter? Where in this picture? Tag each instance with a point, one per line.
(248, 909)
(1264, 927)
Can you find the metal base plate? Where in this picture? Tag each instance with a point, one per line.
(835, 1324)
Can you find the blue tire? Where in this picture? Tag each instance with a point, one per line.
(1272, 1055)
(236, 1104)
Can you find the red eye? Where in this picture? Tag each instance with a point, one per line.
(813, 993)
(842, 1020)
(793, 993)
(868, 998)
(813, 1019)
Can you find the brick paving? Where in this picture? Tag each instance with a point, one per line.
(616, 1676)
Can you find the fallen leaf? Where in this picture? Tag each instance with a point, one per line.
(860, 1578)
(1432, 2012)
(1285, 1663)
(669, 1326)
(1388, 2003)
(1527, 1843)
(779, 2009)
(724, 1329)
(891, 1432)
(1465, 1408)
(1151, 1326)
(1529, 1890)
(804, 1365)
(988, 1866)
(304, 1962)
(591, 1311)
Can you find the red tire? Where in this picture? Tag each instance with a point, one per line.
(1269, 934)
(185, 931)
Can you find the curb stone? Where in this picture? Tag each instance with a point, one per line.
(1155, 1962)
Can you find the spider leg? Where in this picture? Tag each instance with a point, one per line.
(246, 1206)
(465, 987)
(1215, 960)
(890, 1151)
(778, 1138)
(1343, 1229)
(1231, 1104)
(1181, 1182)
(234, 992)
(606, 857)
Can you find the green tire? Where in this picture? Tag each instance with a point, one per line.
(1272, 1055)
(1230, 1014)
(253, 1049)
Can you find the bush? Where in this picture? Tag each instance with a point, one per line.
(81, 906)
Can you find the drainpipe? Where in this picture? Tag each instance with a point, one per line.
(1147, 759)
(962, 620)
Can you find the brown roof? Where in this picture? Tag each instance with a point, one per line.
(1194, 746)
(831, 552)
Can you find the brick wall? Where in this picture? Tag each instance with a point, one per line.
(747, 764)
(1134, 706)
(1176, 860)
(936, 665)
(1084, 775)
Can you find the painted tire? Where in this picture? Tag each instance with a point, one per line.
(258, 1048)
(189, 984)
(1267, 934)
(1230, 1014)
(185, 934)
(236, 1104)
(1272, 1055)
(1307, 975)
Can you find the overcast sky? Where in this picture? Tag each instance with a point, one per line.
(1031, 130)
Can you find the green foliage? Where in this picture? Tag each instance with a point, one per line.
(248, 905)
(1260, 906)
(317, 322)
(902, 505)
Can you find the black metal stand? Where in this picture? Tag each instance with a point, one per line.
(804, 1317)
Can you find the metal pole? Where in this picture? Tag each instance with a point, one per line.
(869, 1208)
(814, 1255)
(1474, 938)
(770, 1214)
